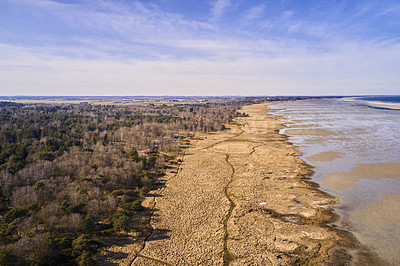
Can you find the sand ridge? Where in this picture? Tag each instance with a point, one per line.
(242, 197)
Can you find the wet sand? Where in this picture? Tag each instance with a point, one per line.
(324, 156)
(381, 219)
(344, 180)
(243, 197)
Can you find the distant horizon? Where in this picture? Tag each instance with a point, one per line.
(194, 96)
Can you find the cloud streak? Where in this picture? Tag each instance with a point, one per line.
(219, 7)
(343, 71)
(254, 12)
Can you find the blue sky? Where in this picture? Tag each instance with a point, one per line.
(189, 47)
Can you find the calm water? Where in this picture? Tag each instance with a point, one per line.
(356, 152)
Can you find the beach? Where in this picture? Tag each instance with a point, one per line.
(241, 197)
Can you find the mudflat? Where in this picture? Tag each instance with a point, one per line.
(242, 197)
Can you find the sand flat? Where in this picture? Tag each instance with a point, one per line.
(210, 212)
(378, 219)
(308, 131)
(324, 156)
(345, 180)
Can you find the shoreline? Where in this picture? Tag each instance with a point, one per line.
(373, 104)
(360, 253)
(244, 196)
(368, 252)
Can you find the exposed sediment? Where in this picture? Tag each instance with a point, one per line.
(242, 197)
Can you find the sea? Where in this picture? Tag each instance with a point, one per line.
(354, 145)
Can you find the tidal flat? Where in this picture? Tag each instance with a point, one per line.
(358, 162)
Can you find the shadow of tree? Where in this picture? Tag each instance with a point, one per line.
(159, 234)
(104, 260)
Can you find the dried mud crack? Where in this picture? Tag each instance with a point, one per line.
(241, 197)
(228, 256)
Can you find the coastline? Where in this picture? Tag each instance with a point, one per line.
(357, 162)
(373, 104)
(244, 196)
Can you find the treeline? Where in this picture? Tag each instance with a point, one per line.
(72, 173)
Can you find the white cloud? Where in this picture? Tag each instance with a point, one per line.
(254, 12)
(219, 7)
(287, 14)
(134, 21)
(350, 69)
(392, 9)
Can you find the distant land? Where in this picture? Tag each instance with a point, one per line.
(111, 100)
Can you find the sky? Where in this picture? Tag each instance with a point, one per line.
(195, 47)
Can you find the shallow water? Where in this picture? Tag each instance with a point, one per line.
(356, 152)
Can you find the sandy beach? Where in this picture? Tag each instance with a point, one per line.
(242, 197)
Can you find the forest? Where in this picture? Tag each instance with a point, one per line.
(70, 173)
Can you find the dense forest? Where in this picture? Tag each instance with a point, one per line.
(72, 173)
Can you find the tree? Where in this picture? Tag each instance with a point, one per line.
(39, 185)
(83, 248)
(7, 258)
(133, 155)
(88, 225)
(121, 221)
